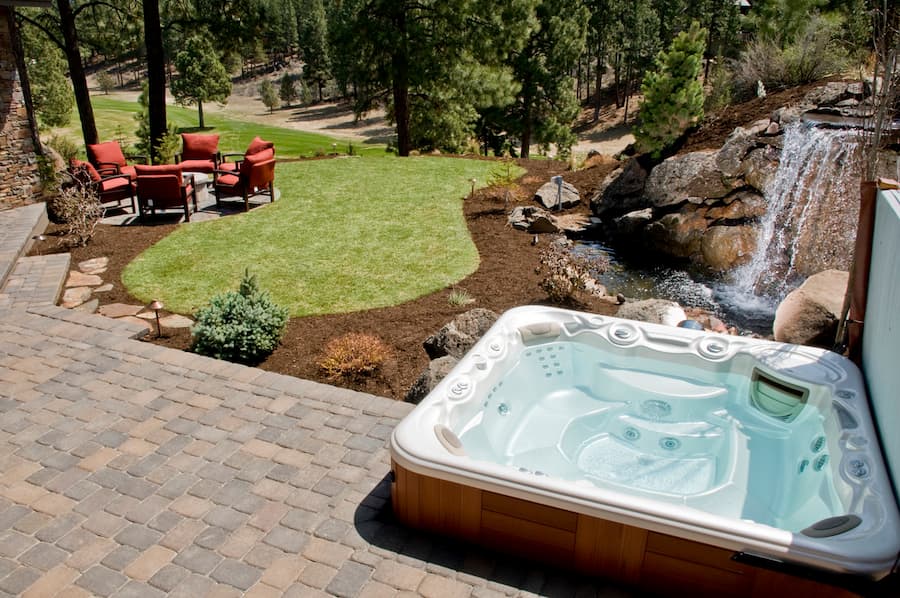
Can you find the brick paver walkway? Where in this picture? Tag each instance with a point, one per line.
(135, 470)
(129, 469)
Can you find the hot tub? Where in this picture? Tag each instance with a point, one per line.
(652, 454)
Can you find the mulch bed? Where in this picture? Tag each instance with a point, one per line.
(507, 277)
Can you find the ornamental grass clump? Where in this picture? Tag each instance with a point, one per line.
(243, 326)
(353, 356)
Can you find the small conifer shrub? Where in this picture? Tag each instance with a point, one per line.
(243, 326)
(673, 94)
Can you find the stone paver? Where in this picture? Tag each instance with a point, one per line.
(130, 469)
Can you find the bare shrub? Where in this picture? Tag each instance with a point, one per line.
(77, 207)
(353, 356)
(565, 273)
(813, 55)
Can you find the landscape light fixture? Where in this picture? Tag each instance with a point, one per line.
(157, 305)
(39, 239)
(473, 181)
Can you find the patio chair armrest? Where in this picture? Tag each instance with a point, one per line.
(138, 158)
(224, 157)
(219, 172)
(114, 176)
(107, 168)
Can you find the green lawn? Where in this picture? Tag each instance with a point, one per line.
(115, 120)
(347, 234)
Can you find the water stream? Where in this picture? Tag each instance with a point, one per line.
(809, 226)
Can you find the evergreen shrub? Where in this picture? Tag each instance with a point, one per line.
(242, 326)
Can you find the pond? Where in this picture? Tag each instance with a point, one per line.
(725, 299)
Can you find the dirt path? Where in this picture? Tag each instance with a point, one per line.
(336, 119)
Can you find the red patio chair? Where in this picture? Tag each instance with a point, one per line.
(256, 146)
(114, 187)
(164, 187)
(254, 175)
(108, 159)
(199, 153)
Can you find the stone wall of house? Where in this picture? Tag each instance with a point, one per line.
(19, 179)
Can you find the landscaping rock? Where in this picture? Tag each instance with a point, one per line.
(120, 310)
(175, 321)
(725, 247)
(657, 311)
(691, 177)
(809, 314)
(460, 334)
(88, 306)
(75, 296)
(532, 219)
(620, 192)
(434, 372)
(96, 265)
(550, 197)
(79, 279)
(104, 288)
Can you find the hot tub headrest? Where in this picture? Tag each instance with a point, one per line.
(539, 332)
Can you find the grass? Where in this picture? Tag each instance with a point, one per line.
(115, 120)
(347, 234)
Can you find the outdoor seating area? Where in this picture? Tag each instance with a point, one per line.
(115, 177)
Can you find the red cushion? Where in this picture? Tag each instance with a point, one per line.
(109, 152)
(227, 180)
(199, 147)
(250, 161)
(197, 165)
(129, 170)
(258, 145)
(89, 168)
(158, 169)
(116, 184)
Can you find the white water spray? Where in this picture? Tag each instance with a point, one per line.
(812, 209)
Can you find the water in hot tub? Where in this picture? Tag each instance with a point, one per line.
(686, 434)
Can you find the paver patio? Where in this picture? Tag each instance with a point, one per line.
(131, 469)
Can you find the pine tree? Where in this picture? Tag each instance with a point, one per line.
(53, 98)
(434, 63)
(287, 90)
(202, 78)
(314, 47)
(673, 94)
(268, 95)
(546, 106)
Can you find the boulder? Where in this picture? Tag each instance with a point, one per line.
(691, 177)
(809, 314)
(657, 311)
(828, 94)
(621, 190)
(533, 220)
(743, 205)
(730, 157)
(551, 197)
(679, 234)
(433, 373)
(632, 221)
(725, 247)
(759, 168)
(460, 334)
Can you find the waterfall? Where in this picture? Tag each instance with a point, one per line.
(811, 215)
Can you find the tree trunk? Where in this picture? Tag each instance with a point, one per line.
(76, 72)
(156, 75)
(200, 112)
(527, 118)
(400, 68)
(597, 93)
